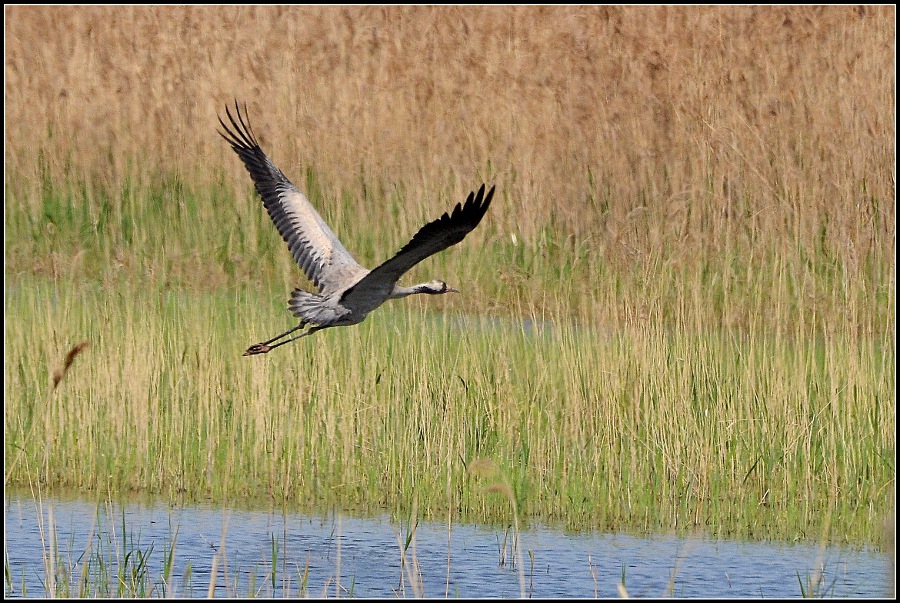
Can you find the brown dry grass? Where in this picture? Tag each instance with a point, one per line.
(772, 116)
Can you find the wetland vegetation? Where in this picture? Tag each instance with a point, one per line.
(679, 311)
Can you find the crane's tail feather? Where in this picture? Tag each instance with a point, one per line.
(316, 309)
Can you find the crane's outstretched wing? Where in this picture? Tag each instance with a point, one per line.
(435, 236)
(312, 244)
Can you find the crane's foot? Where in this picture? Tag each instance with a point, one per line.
(257, 348)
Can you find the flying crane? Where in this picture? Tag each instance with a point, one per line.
(348, 292)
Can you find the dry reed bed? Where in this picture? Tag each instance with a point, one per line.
(636, 144)
(757, 122)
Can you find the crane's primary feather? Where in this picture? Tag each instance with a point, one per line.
(311, 242)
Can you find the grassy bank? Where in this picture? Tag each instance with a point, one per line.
(643, 428)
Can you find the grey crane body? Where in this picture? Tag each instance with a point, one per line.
(348, 292)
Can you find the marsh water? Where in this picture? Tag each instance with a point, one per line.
(341, 555)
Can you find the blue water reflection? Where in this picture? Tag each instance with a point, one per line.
(463, 561)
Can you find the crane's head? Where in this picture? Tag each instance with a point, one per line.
(435, 288)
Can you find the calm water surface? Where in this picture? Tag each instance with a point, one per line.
(365, 554)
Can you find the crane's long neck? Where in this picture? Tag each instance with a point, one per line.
(399, 291)
(431, 287)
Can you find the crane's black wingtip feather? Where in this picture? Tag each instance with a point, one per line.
(477, 204)
(489, 197)
(240, 134)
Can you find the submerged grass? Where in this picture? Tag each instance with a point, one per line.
(113, 559)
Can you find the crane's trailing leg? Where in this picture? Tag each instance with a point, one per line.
(262, 348)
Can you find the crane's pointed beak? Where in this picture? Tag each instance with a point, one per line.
(451, 290)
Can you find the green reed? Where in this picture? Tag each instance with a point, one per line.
(644, 427)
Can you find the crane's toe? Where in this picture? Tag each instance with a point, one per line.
(257, 348)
